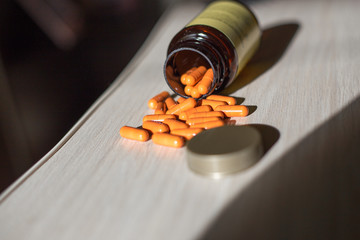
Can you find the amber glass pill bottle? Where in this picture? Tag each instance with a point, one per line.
(224, 36)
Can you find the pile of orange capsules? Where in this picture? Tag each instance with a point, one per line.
(174, 122)
(197, 81)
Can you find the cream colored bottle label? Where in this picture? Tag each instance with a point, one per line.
(237, 23)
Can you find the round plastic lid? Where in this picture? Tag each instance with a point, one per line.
(224, 150)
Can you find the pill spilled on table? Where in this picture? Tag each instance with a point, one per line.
(175, 122)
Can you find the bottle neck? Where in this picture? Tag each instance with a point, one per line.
(196, 46)
(187, 56)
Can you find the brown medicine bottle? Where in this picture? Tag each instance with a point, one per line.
(224, 36)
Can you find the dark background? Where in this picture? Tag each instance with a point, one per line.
(56, 58)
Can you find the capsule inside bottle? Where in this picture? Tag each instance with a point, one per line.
(181, 61)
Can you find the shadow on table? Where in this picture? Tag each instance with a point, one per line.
(311, 192)
(274, 42)
(269, 135)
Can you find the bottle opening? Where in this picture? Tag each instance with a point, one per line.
(179, 62)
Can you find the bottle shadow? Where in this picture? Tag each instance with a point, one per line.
(274, 42)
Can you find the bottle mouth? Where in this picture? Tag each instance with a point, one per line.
(179, 62)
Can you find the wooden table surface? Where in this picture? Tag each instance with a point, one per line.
(304, 88)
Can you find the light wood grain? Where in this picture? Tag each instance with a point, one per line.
(96, 185)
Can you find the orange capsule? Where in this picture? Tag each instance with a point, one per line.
(186, 114)
(209, 125)
(175, 124)
(187, 133)
(170, 102)
(234, 110)
(193, 121)
(181, 99)
(158, 98)
(160, 108)
(195, 92)
(158, 117)
(155, 127)
(183, 79)
(195, 76)
(184, 76)
(204, 85)
(212, 103)
(207, 114)
(229, 100)
(169, 140)
(188, 89)
(185, 105)
(134, 133)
